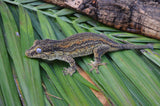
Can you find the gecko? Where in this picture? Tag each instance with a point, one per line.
(81, 44)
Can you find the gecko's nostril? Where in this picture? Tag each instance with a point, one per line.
(27, 53)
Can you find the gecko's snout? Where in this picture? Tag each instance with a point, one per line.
(33, 54)
(27, 53)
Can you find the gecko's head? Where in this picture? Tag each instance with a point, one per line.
(41, 49)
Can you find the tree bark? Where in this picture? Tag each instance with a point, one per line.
(136, 16)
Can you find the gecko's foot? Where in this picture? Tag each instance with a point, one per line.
(69, 71)
(95, 65)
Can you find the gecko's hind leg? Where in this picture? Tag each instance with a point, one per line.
(98, 52)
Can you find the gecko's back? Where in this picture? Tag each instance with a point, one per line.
(90, 37)
(83, 44)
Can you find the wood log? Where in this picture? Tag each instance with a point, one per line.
(136, 16)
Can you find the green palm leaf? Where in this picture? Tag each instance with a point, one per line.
(130, 77)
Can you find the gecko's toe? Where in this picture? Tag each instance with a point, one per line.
(65, 71)
(91, 69)
(95, 66)
(97, 71)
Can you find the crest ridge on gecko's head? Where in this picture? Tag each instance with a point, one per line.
(43, 49)
(36, 42)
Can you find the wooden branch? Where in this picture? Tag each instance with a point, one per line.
(136, 16)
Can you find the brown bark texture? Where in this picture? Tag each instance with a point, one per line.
(136, 16)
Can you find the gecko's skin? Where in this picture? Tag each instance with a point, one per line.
(78, 45)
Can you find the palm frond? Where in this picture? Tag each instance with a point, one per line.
(130, 78)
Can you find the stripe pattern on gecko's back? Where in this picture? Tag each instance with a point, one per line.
(78, 45)
(83, 44)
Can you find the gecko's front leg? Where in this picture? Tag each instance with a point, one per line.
(98, 52)
(72, 69)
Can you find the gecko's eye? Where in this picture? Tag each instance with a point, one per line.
(38, 50)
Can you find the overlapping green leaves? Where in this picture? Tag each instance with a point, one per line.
(17, 43)
(129, 78)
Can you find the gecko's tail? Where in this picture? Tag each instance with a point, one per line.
(150, 46)
(132, 46)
